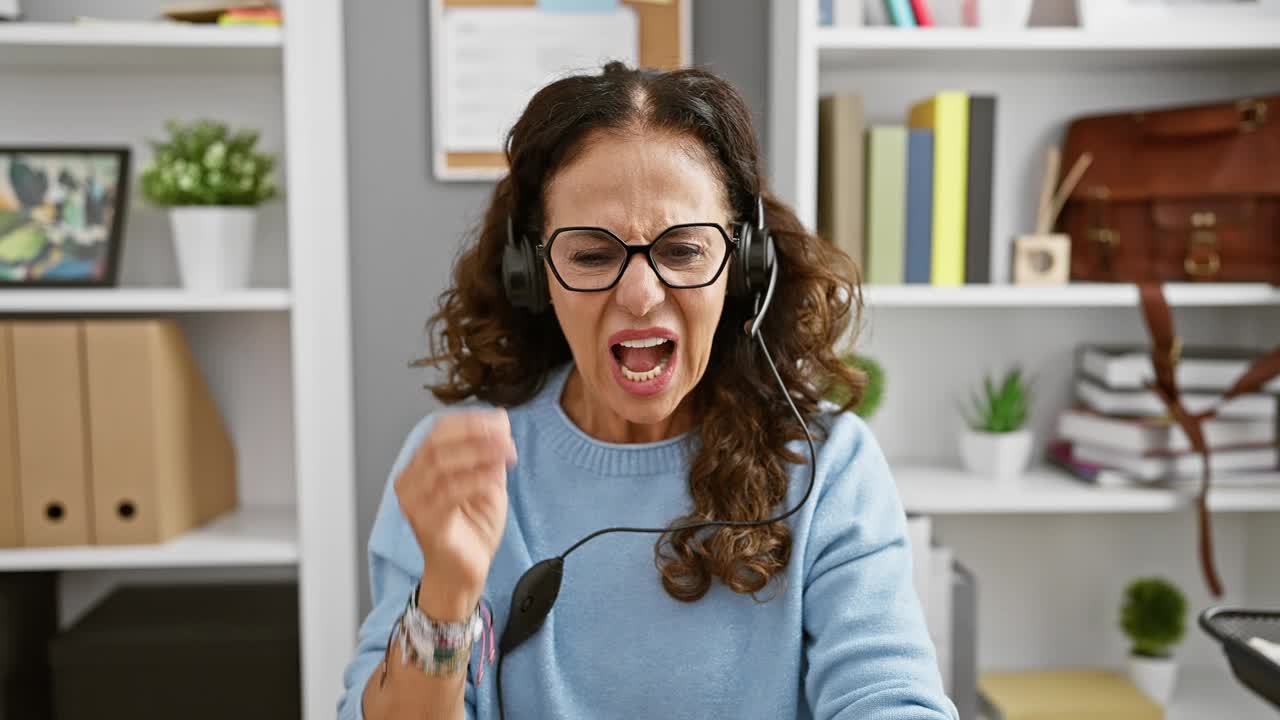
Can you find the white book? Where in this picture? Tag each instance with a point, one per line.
(948, 13)
(876, 13)
(1146, 402)
(919, 534)
(1155, 467)
(1217, 368)
(1144, 435)
(938, 619)
(848, 13)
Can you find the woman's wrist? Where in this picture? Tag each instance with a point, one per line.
(442, 602)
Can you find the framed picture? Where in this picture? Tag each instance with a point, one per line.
(62, 215)
(1115, 15)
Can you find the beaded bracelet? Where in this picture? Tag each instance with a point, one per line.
(441, 648)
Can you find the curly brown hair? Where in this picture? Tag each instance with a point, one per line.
(503, 355)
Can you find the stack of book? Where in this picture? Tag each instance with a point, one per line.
(911, 201)
(1118, 431)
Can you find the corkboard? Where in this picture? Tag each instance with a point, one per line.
(664, 42)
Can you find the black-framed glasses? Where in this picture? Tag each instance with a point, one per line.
(590, 259)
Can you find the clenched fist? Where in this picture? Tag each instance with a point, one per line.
(454, 495)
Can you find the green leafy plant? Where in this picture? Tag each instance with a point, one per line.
(1153, 616)
(1003, 407)
(872, 393)
(205, 163)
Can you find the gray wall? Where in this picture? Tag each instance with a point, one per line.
(406, 227)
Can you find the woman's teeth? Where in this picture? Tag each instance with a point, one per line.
(643, 376)
(643, 342)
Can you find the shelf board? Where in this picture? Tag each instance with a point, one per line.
(1046, 49)
(255, 536)
(141, 300)
(153, 44)
(935, 490)
(1069, 296)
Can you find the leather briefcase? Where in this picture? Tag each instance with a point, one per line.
(1177, 194)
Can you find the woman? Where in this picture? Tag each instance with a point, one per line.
(636, 399)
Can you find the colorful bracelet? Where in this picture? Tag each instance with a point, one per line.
(441, 648)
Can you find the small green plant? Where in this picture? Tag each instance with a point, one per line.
(205, 163)
(872, 393)
(1153, 616)
(1003, 407)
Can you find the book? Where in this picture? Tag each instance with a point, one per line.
(1157, 466)
(826, 13)
(900, 13)
(848, 13)
(840, 168)
(1145, 403)
(1069, 693)
(876, 13)
(947, 114)
(1059, 454)
(981, 176)
(924, 18)
(1200, 368)
(919, 223)
(886, 193)
(1151, 434)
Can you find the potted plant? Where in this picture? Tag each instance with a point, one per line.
(872, 392)
(1153, 616)
(996, 442)
(212, 181)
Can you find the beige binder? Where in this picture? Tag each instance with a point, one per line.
(52, 470)
(10, 515)
(161, 460)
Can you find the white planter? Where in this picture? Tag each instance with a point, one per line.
(214, 245)
(999, 456)
(1154, 676)
(1004, 14)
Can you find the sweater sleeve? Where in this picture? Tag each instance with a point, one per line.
(868, 652)
(395, 565)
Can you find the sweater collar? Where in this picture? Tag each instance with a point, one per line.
(569, 441)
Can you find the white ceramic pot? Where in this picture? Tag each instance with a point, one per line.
(1003, 14)
(1154, 676)
(214, 245)
(999, 456)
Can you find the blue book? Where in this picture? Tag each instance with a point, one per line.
(826, 12)
(900, 13)
(919, 251)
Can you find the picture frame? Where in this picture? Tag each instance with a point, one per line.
(1118, 15)
(62, 215)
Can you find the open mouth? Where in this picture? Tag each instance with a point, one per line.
(643, 359)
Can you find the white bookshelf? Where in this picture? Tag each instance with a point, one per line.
(139, 43)
(276, 356)
(1051, 554)
(1075, 295)
(1046, 48)
(143, 300)
(248, 537)
(942, 490)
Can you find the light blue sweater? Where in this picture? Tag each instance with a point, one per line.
(843, 637)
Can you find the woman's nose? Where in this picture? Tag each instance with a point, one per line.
(639, 289)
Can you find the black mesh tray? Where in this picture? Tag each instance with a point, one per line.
(1233, 628)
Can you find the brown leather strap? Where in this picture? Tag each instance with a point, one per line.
(1165, 349)
(1164, 357)
(1258, 374)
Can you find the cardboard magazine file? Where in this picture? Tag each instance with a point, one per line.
(10, 512)
(48, 389)
(161, 461)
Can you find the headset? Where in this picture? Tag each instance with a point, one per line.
(753, 275)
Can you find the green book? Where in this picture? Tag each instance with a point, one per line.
(886, 207)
